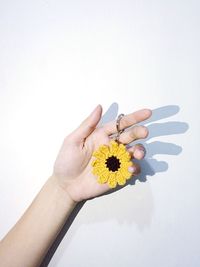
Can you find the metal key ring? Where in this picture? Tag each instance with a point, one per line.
(118, 127)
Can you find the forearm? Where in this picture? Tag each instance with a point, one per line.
(28, 241)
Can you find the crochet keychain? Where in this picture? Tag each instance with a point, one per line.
(112, 161)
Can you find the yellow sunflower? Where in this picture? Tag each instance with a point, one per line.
(111, 164)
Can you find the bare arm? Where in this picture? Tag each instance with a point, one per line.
(28, 241)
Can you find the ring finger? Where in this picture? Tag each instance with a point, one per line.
(137, 151)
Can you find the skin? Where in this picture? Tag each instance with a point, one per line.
(71, 182)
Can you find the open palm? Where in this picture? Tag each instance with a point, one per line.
(72, 168)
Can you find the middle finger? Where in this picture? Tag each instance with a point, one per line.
(135, 133)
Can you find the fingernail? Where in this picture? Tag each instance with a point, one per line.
(143, 151)
(94, 110)
(132, 169)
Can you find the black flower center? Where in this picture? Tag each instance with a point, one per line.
(113, 163)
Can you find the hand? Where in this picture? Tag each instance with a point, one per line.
(72, 168)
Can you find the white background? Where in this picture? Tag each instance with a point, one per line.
(58, 60)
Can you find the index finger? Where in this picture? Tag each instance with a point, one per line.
(127, 121)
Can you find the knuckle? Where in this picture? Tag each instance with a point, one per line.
(146, 131)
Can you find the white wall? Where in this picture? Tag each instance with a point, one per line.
(58, 59)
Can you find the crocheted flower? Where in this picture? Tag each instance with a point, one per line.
(111, 164)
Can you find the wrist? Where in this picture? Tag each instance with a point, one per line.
(62, 192)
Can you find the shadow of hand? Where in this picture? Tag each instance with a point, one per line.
(150, 166)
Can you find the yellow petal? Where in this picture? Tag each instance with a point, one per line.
(125, 164)
(121, 150)
(97, 162)
(125, 173)
(120, 179)
(125, 156)
(112, 181)
(98, 169)
(104, 149)
(98, 154)
(103, 178)
(114, 143)
(114, 148)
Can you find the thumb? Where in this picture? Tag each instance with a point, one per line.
(88, 125)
